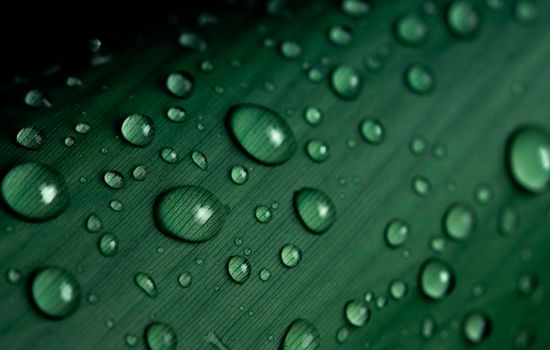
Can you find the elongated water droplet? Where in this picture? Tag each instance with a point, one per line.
(146, 284)
(317, 150)
(459, 222)
(185, 279)
(342, 335)
(463, 19)
(372, 131)
(428, 327)
(291, 255)
(72, 81)
(108, 245)
(340, 35)
(396, 233)
(93, 223)
(139, 172)
(138, 130)
(199, 159)
(30, 137)
(265, 274)
(239, 174)
(476, 327)
(262, 133)
(346, 82)
(301, 335)
(357, 313)
(437, 279)
(419, 79)
(82, 128)
(169, 155)
(114, 179)
(176, 114)
(35, 191)
(529, 158)
(37, 99)
(263, 214)
(180, 84)
(160, 336)
(411, 29)
(239, 269)
(55, 292)
(192, 41)
(355, 8)
(421, 185)
(315, 209)
(190, 213)
(290, 49)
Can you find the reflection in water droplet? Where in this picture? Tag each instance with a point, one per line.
(315, 209)
(146, 284)
(239, 269)
(291, 255)
(301, 335)
(436, 279)
(476, 327)
(176, 114)
(138, 130)
(185, 279)
(263, 214)
(357, 313)
(114, 179)
(345, 82)
(108, 245)
(317, 150)
(55, 292)
(169, 155)
(396, 233)
(239, 174)
(160, 336)
(180, 84)
(199, 159)
(372, 131)
(459, 222)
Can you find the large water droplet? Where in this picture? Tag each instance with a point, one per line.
(315, 209)
(180, 84)
(262, 133)
(55, 292)
(459, 222)
(138, 130)
(410, 29)
(191, 213)
(35, 191)
(239, 269)
(529, 158)
(346, 82)
(463, 19)
(357, 313)
(146, 284)
(476, 327)
(30, 137)
(436, 279)
(160, 336)
(301, 335)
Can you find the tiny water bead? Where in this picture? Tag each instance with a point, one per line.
(381, 302)
(55, 292)
(263, 214)
(262, 133)
(199, 159)
(35, 191)
(37, 99)
(108, 245)
(340, 35)
(317, 150)
(428, 327)
(131, 340)
(265, 274)
(483, 194)
(114, 179)
(116, 205)
(421, 185)
(315, 209)
(82, 128)
(239, 174)
(459, 221)
(418, 145)
(524, 11)
(410, 29)
(528, 158)
(13, 275)
(357, 313)
(69, 141)
(169, 155)
(419, 79)
(346, 82)
(290, 49)
(138, 130)
(185, 280)
(160, 336)
(355, 8)
(180, 84)
(372, 131)
(476, 327)
(176, 114)
(342, 335)
(436, 279)
(139, 172)
(463, 19)
(313, 116)
(190, 213)
(93, 223)
(398, 289)
(30, 138)
(526, 284)
(396, 233)
(301, 335)
(192, 41)
(146, 284)
(239, 269)
(291, 255)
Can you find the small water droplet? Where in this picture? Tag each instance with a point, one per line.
(411, 29)
(160, 336)
(82, 128)
(421, 185)
(290, 49)
(314, 75)
(476, 327)
(291, 255)
(169, 155)
(459, 221)
(116, 205)
(69, 141)
(419, 79)
(138, 130)
(176, 114)
(114, 179)
(263, 214)
(13, 275)
(372, 131)
(239, 269)
(199, 159)
(527, 284)
(355, 8)
(315, 209)
(398, 289)
(346, 82)
(418, 145)
(30, 138)
(301, 335)
(72, 81)
(524, 11)
(146, 284)
(313, 116)
(463, 19)
(55, 292)
(483, 194)
(428, 327)
(357, 313)
(437, 279)
(181, 84)
(108, 245)
(340, 35)
(265, 274)
(93, 223)
(185, 279)
(37, 99)
(192, 41)
(396, 233)
(239, 174)
(139, 172)
(131, 340)
(317, 150)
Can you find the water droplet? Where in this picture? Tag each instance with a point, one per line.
(176, 114)
(37, 99)
(419, 79)
(73, 81)
(69, 141)
(169, 155)
(160, 336)
(93, 223)
(340, 35)
(527, 284)
(239, 269)
(421, 185)
(239, 174)
(192, 41)
(525, 11)
(131, 340)
(411, 29)
(495, 5)
(13, 275)
(82, 128)
(30, 137)
(113, 179)
(199, 159)
(35, 191)
(438, 244)
(529, 158)
(346, 82)
(315, 209)
(357, 313)
(265, 274)
(476, 327)
(372, 131)
(291, 255)
(397, 232)
(381, 302)
(116, 205)
(398, 289)
(190, 213)
(181, 84)
(418, 145)
(290, 49)
(483, 194)
(317, 150)
(459, 222)
(463, 19)
(139, 172)
(138, 130)
(185, 279)
(437, 280)
(301, 335)
(263, 214)
(355, 8)
(525, 338)
(55, 292)
(315, 75)
(342, 335)
(428, 327)
(146, 284)
(108, 245)
(262, 133)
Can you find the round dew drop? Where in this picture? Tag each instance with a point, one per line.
(55, 292)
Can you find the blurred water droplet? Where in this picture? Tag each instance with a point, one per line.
(357, 313)
(346, 82)
(180, 84)
(419, 79)
(55, 292)
(239, 269)
(525, 11)
(290, 49)
(463, 19)
(340, 35)
(192, 41)
(73, 81)
(13, 275)
(411, 29)
(37, 99)
(160, 336)
(421, 185)
(436, 279)
(476, 327)
(428, 327)
(313, 116)
(146, 284)
(372, 131)
(30, 137)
